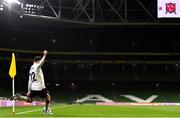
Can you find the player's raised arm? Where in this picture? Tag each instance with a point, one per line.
(41, 62)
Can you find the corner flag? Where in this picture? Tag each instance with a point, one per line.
(12, 70)
(12, 73)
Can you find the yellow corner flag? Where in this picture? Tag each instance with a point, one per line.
(12, 70)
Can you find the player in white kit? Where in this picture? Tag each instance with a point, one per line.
(36, 84)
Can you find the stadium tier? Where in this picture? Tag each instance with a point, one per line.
(60, 71)
(102, 39)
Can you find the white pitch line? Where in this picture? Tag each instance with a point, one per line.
(28, 111)
(41, 109)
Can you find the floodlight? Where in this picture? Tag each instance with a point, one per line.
(31, 8)
(12, 1)
(1, 7)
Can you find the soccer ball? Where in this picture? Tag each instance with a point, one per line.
(48, 110)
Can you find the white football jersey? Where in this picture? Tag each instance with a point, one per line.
(36, 77)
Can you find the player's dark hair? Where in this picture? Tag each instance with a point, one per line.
(36, 59)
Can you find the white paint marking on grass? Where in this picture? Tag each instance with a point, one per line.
(28, 111)
(41, 109)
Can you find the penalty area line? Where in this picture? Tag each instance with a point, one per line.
(41, 109)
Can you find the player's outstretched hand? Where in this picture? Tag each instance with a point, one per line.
(45, 52)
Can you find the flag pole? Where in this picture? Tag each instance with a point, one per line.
(13, 93)
(12, 73)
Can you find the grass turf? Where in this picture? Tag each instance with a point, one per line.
(94, 111)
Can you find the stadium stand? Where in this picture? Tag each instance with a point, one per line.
(84, 61)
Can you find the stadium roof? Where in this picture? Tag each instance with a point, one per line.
(85, 12)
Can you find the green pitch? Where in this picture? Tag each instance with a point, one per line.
(90, 111)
